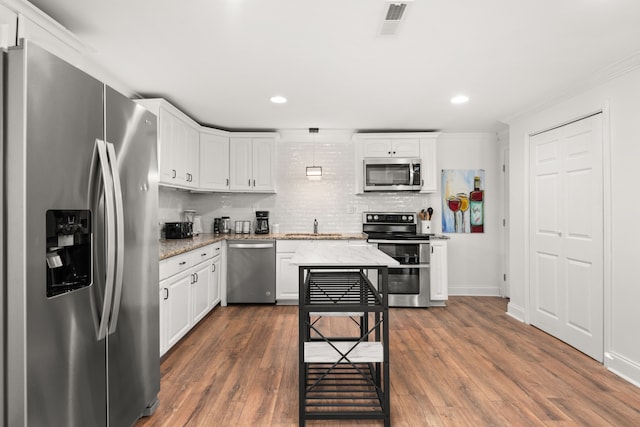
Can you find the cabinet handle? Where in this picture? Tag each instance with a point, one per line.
(254, 182)
(422, 182)
(196, 274)
(166, 293)
(394, 152)
(227, 182)
(182, 263)
(388, 152)
(173, 173)
(213, 268)
(249, 184)
(203, 254)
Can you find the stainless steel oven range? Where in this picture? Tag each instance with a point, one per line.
(395, 234)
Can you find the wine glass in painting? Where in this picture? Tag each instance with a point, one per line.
(464, 206)
(454, 204)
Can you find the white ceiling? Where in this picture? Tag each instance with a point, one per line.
(221, 60)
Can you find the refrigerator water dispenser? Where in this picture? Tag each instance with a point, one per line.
(68, 253)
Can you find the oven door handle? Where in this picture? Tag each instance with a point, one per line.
(400, 242)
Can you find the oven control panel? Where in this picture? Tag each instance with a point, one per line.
(389, 218)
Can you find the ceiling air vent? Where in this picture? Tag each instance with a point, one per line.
(394, 14)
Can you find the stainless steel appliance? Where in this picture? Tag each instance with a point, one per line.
(395, 234)
(81, 261)
(225, 225)
(178, 230)
(262, 222)
(392, 174)
(251, 271)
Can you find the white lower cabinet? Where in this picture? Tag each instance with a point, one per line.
(200, 292)
(438, 274)
(178, 318)
(189, 289)
(214, 280)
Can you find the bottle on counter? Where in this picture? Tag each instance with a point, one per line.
(476, 207)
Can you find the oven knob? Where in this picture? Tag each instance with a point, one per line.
(375, 217)
(369, 217)
(404, 217)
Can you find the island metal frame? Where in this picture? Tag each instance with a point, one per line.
(344, 377)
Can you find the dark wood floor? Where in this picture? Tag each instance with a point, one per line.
(468, 364)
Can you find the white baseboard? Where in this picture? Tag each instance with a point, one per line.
(623, 367)
(516, 312)
(476, 291)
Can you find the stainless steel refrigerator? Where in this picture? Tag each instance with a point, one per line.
(81, 248)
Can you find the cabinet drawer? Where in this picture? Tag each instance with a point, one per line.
(202, 254)
(175, 265)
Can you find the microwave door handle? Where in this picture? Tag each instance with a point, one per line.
(110, 237)
(412, 172)
(117, 191)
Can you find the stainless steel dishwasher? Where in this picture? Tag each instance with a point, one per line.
(251, 273)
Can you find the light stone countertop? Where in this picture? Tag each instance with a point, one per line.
(312, 255)
(173, 247)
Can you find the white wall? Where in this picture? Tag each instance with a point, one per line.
(475, 261)
(619, 100)
(478, 258)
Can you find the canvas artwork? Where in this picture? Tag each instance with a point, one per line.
(463, 200)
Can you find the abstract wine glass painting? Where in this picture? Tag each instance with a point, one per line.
(463, 200)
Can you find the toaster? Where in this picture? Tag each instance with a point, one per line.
(178, 230)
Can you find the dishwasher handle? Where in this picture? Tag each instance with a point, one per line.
(250, 245)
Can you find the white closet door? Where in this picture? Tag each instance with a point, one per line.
(566, 234)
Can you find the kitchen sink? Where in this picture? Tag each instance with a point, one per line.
(313, 234)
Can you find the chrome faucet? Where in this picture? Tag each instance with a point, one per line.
(315, 226)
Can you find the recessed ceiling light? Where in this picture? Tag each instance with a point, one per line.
(459, 99)
(278, 99)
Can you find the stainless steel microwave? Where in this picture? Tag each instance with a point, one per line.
(392, 174)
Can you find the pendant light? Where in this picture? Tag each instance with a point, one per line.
(314, 172)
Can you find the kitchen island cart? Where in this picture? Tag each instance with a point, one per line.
(344, 372)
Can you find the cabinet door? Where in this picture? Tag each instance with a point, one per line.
(8, 27)
(164, 296)
(286, 277)
(178, 318)
(438, 273)
(263, 164)
(377, 148)
(214, 282)
(214, 162)
(166, 158)
(409, 147)
(428, 165)
(240, 164)
(200, 291)
(191, 156)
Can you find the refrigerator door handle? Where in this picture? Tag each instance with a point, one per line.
(117, 190)
(111, 237)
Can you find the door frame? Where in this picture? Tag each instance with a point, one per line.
(604, 109)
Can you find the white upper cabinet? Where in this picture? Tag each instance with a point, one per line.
(8, 27)
(214, 161)
(429, 168)
(178, 145)
(252, 164)
(392, 147)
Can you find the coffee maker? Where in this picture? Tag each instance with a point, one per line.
(262, 222)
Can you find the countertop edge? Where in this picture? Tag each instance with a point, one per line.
(174, 247)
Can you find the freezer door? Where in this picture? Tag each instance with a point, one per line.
(134, 360)
(56, 366)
